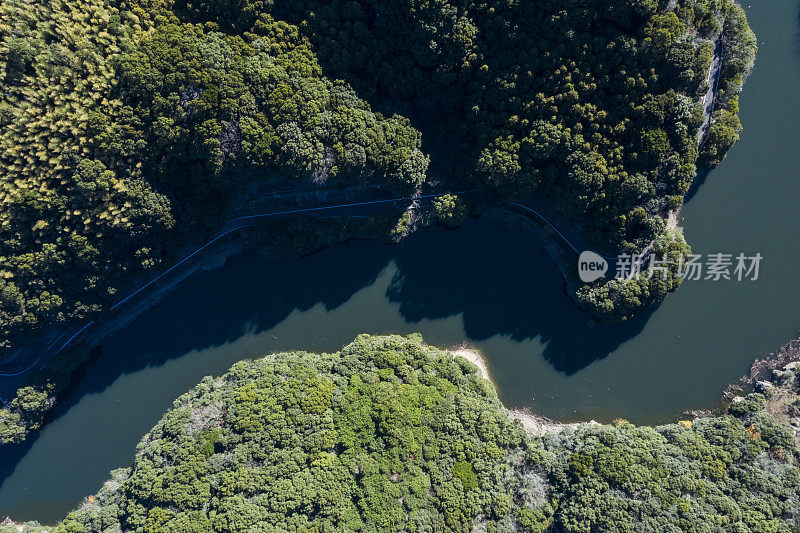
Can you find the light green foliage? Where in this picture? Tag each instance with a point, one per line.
(391, 435)
(717, 475)
(464, 472)
(123, 126)
(60, 206)
(450, 210)
(386, 435)
(126, 123)
(127, 129)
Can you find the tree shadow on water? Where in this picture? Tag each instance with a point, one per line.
(499, 280)
(215, 307)
(13, 454)
(699, 180)
(503, 283)
(249, 294)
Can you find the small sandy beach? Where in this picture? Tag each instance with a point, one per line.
(531, 423)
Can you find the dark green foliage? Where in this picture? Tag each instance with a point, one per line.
(21, 56)
(129, 126)
(592, 106)
(751, 404)
(740, 50)
(219, 102)
(70, 227)
(625, 298)
(544, 97)
(127, 130)
(25, 412)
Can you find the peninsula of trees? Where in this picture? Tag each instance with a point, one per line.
(392, 435)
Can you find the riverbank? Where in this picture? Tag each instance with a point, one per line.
(775, 377)
(621, 454)
(36, 393)
(532, 423)
(9, 526)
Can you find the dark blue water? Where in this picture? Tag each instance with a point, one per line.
(486, 284)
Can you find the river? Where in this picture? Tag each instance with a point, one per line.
(484, 283)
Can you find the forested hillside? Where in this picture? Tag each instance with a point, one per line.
(591, 108)
(127, 127)
(392, 435)
(125, 130)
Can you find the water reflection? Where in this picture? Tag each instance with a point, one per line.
(502, 283)
(499, 280)
(481, 282)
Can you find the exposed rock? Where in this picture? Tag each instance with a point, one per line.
(787, 357)
(782, 377)
(765, 387)
(782, 392)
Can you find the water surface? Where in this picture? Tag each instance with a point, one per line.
(486, 284)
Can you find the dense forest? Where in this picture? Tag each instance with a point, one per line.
(392, 435)
(127, 126)
(122, 136)
(130, 128)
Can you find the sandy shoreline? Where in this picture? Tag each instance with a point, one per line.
(473, 356)
(532, 423)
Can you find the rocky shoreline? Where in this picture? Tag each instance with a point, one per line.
(780, 394)
(779, 391)
(763, 368)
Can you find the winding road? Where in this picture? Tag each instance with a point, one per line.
(299, 195)
(56, 343)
